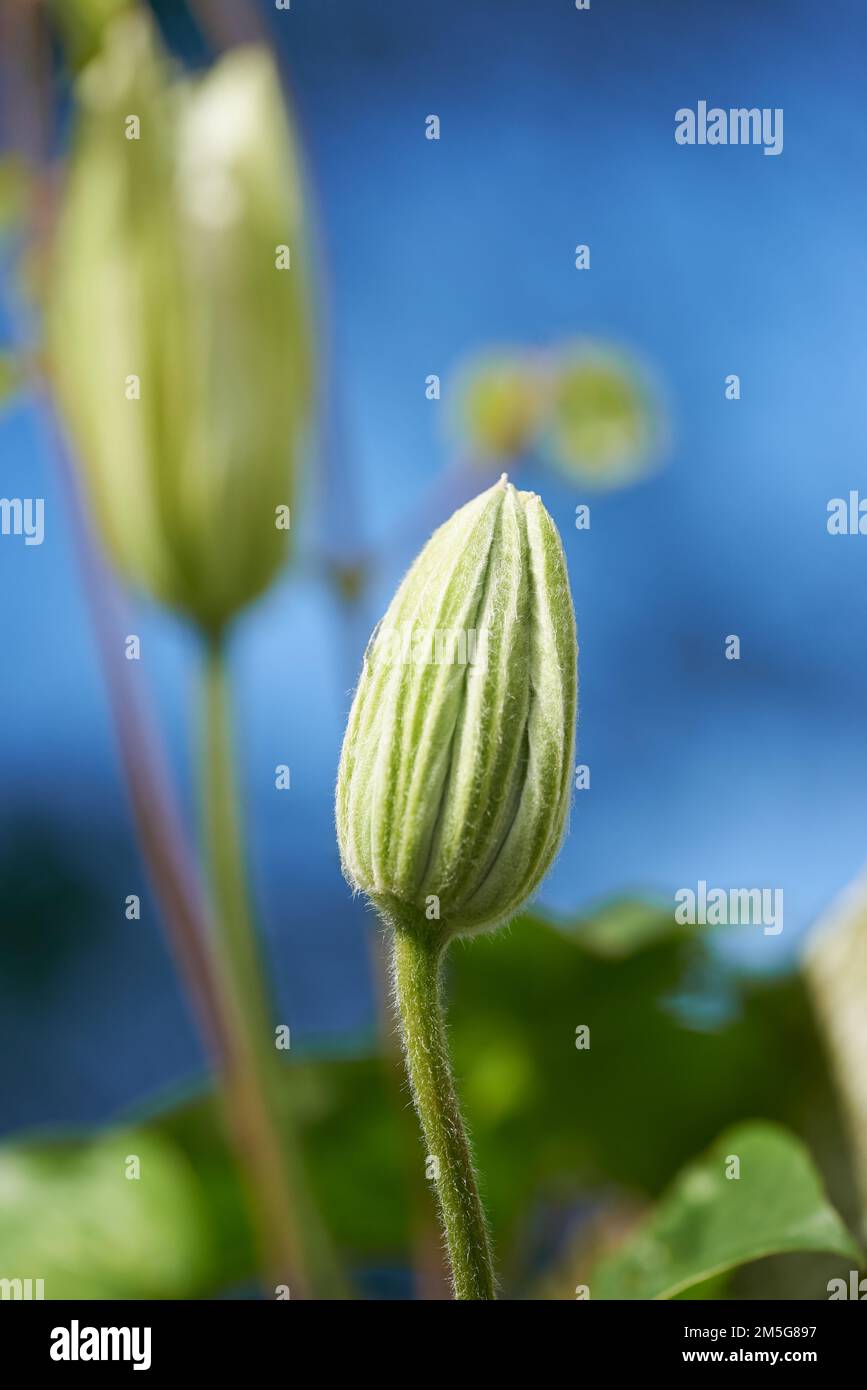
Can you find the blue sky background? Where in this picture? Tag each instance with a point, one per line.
(557, 127)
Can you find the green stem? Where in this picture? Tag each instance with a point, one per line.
(238, 957)
(286, 1229)
(417, 963)
(224, 852)
(260, 1146)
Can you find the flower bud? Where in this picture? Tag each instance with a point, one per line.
(603, 426)
(502, 404)
(454, 781)
(179, 346)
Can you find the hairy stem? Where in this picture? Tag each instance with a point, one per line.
(417, 963)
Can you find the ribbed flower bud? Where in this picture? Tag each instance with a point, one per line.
(179, 332)
(455, 775)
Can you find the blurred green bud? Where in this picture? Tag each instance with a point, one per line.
(501, 406)
(454, 782)
(80, 24)
(179, 346)
(603, 426)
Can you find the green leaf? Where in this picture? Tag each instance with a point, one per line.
(624, 927)
(550, 1124)
(708, 1223)
(565, 1119)
(71, 1216)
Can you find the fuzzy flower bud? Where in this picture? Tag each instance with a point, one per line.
(454, 781)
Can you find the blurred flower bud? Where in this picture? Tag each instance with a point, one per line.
(502, 401)
(454, 780)
(603, 426)
(179, 334)
(80, 24)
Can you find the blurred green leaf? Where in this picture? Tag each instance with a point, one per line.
(353, 1145)
(623, 927)
(550, 1122)
(554, 1124)
(708, 1223)
(70, 1215)
(554, 1127)
(355, 1157)
(653, 1088)
(708, 1290)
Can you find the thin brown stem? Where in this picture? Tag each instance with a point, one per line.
(163, 840)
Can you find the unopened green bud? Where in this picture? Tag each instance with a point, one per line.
(81, 23)
(179, 336)
(454, 783)
(502, 404)
(603, 424)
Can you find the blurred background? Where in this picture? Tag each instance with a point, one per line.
(455, 258)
